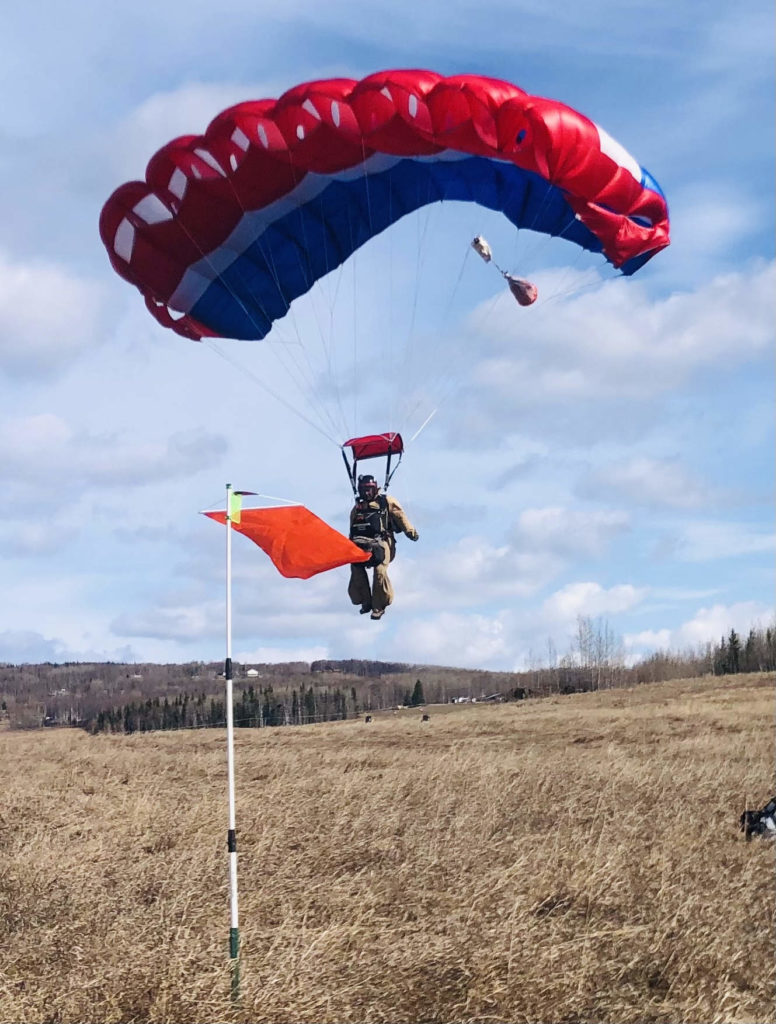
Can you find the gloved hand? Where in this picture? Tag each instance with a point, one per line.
(413, 535)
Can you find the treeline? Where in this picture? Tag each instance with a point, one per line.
(756, 654)
(255, 708)
(359, 667)
(596, 661)
(103, 697)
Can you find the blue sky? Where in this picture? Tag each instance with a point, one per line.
(608, 452)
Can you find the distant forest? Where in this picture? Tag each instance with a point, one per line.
(116, 698)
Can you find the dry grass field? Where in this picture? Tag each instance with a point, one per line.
(565, 860)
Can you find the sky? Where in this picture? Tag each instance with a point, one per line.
(606, 453)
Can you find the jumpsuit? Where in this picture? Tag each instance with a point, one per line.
(380, 594)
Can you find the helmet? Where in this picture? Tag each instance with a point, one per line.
(367, 487)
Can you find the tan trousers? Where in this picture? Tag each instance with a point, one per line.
(380, 594)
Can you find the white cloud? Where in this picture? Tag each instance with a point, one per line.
(647, 481)
(475, 570)
(590, 600)
(18, 646)
(505, 638)
(708, 625)
(569, 532)
(540, 372)
(707, 541)
(708, 221)
(27, 538)
(46, 447)
(178, 624)
(26, 646)
(450, 639)
(48, 317)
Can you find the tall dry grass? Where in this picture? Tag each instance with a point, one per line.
(572, 859)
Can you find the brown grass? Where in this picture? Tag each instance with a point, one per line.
(565, 860)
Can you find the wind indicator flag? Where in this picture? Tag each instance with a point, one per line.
(299, 543)
(235, 506)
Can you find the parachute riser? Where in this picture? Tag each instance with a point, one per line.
(389, 472)
(351, 470)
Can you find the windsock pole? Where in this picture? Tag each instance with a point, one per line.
(231, 840)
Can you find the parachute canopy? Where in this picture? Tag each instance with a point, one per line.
(298, 542)
(230, 227)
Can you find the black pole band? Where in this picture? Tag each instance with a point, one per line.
(231, 841)
(228, 668)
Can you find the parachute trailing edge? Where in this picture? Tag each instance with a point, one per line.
(230, 227)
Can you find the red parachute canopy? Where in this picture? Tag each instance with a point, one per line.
(299, 543)
(229, 227)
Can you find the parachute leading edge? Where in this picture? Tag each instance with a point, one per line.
(299, 544)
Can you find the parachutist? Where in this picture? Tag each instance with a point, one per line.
(374, 520)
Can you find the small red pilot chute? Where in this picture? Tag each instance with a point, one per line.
(298, 542)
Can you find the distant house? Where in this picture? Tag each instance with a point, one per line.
(252, 673)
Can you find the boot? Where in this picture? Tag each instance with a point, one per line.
(377, 613)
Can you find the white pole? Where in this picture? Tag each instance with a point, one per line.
(234, 926)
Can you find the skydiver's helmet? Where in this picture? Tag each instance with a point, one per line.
(367, 488)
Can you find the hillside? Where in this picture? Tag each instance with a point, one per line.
(72, 694)
(571, 859)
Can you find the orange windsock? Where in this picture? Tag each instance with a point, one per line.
(298, 542)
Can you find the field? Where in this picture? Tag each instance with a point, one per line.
(561, 860)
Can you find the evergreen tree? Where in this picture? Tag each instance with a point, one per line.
(734, 652)
(309, 705)
(751, 658)
(720, 658)
(417, 695)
